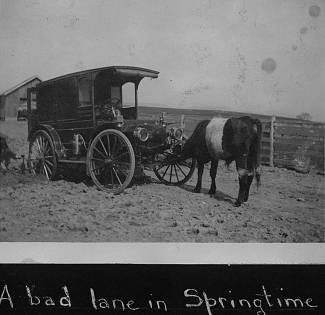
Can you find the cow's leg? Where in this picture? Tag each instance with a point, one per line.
(249, 182)
(242, 190)
(200, 168)
(251, 172)
(241, 165)
(213, 173)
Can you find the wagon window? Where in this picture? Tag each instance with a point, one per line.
(128, 92)
(84, 91)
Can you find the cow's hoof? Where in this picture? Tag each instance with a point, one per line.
(197, 190)
(237, 203)
(212, 192)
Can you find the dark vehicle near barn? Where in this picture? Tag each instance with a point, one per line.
(90, 118)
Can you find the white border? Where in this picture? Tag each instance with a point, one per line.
(162, 253)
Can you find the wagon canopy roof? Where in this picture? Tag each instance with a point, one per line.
(126, 71)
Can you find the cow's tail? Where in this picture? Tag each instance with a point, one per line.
(256, 152)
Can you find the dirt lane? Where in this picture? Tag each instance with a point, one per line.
(289, 207)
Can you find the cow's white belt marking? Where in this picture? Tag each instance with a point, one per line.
(213, 136)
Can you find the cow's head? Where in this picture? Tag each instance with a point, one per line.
(244, 132)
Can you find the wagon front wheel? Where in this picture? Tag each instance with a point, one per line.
(41, 156)
(173, 172)
(111, 161)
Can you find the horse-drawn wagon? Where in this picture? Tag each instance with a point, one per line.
(90, 118)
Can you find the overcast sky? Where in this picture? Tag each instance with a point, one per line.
(258, 56)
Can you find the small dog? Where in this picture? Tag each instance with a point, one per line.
(5, 154)
(5, 158)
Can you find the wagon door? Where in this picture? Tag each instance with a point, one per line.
(84, 105)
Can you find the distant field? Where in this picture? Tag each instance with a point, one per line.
(192, 116)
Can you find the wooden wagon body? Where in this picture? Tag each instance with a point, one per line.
(91, 118)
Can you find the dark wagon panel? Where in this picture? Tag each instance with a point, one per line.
(91, 118)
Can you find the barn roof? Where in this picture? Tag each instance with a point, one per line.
(16, 87)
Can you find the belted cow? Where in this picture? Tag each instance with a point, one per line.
(233, 139)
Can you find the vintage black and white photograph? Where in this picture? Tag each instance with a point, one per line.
(162, 121)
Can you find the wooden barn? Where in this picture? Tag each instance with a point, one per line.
(15, 97)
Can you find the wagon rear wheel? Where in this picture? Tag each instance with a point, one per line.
(173, 172)
(41, 156)
(111, 161)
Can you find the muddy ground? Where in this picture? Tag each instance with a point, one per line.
(288, 207)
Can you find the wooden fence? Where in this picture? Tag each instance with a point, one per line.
(299, 145)
(293, 144)
(267, 149)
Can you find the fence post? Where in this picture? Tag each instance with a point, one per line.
(182, 121)
(162, 117)
(272, 141)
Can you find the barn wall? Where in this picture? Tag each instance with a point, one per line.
(12, 103)
(12, 100)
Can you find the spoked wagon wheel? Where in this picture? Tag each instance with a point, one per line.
(173, 172)
(41, 156)
(111, 161)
